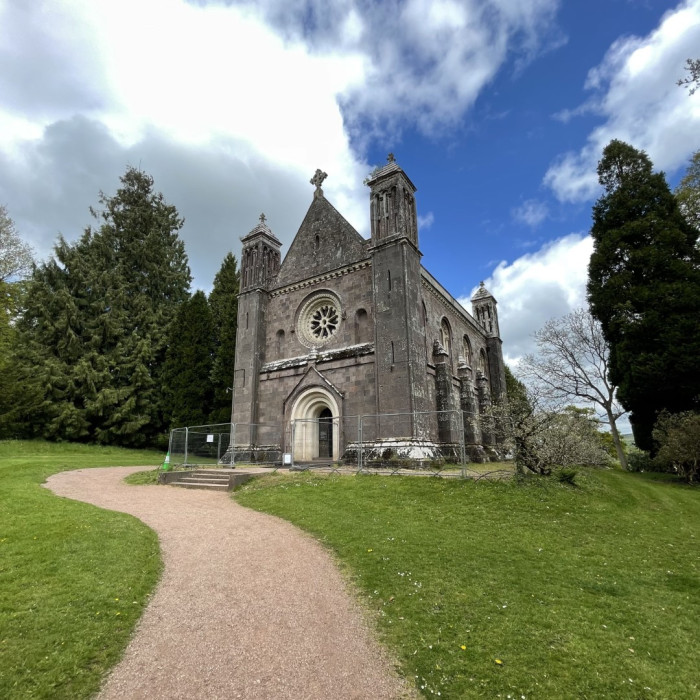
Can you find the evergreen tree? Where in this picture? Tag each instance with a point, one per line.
(644, 288)
(20, 392)
(515, 389)
(223, 301)
(98, 315)
(188, 364)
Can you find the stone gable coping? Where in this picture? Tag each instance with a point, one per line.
(325, 356)
(328, 382)
(340, 272)
(303, 385)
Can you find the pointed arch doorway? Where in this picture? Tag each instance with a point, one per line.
(315, 426)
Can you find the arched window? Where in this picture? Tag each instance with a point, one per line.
(467, 350)
(446, 338)
(279, 344)
(483, 363)
(362, 334)
(425, 330)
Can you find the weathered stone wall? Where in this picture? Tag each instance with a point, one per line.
(399, 339)
(250, 354)
(461, 324)
(353, 287)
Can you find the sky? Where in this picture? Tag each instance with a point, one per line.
(498, 111)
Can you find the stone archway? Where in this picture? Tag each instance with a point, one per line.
(313, 408)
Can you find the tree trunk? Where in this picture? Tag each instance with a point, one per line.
(621, 456)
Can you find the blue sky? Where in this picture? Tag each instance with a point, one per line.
(496, 109)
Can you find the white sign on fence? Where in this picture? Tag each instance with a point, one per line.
(210, 438)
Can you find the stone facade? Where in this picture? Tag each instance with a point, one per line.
(347, 327)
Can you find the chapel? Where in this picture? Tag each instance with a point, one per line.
(352, 341)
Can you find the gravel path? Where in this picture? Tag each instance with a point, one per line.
(248, 606)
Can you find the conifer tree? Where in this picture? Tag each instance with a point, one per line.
(644, 288)
(187, 371)
(97, 318)
(223, 301)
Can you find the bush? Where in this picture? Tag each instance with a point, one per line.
(638, 461)
(566, 476)
(678, 438)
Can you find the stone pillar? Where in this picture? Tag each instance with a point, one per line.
(468, 404)
(443, 395)
(486, 420)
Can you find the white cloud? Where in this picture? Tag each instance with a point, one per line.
(247, 89)
(535, 287)
(634, 90)
(215, 83)
(531, 212)
(426, 221)
(426, 60)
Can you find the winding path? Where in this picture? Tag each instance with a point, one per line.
(248, 605)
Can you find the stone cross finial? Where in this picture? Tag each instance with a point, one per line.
(318, 178)
(390, 158)
(262, 218)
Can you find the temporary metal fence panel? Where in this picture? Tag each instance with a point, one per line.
(260, 444)
(420, 441)
(200, 445)
(412, 444)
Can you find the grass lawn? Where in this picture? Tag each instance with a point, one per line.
(505, 590)
(74, 579)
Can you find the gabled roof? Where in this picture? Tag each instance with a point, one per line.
(338, 244)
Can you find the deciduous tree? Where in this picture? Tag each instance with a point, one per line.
(16, 256)
(644, 288)
(678, 438)
(692, 80)
(688, 192)
(544, 435)
(572, 363)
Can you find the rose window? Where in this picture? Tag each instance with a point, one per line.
(319, 319)
(324, 322)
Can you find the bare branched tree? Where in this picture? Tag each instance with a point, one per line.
(692, 80)
(572, 365)
(543, 435)
(16, 256)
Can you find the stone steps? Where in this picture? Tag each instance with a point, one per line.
(212, 479)
(201, 484)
